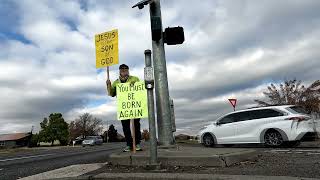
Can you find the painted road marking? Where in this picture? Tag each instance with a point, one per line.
(280, 150)
(295, 151)
(309, 150)
(66, 172)
(25, 157)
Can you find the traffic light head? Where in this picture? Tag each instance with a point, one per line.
(174, 35)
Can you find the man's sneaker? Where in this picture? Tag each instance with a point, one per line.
(127, 149)
(138, 147)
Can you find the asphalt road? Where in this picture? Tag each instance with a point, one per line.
(28, 162)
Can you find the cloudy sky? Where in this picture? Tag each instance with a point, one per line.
(233, 49)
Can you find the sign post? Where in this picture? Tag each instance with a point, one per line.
(233, 102)
(133, 134)
(107, 52)
(149, 80)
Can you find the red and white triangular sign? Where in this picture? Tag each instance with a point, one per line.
(233, 102)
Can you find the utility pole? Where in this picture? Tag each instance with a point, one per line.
(161, 79)
(172, 36)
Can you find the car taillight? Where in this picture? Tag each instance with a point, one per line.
(298, 118)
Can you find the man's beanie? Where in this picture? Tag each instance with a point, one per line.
(123, 66)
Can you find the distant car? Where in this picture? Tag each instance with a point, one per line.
(92, 140)
(77, 141)
(274, 126)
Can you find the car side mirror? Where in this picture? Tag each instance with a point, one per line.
(218, 123)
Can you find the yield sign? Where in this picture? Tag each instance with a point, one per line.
(233, 102)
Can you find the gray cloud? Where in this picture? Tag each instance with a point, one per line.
(232, 49)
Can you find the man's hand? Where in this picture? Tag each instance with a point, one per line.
(108, 82)
(132, 83)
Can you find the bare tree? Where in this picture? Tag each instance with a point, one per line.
(292, 92)
(85, 125)
(75, 130)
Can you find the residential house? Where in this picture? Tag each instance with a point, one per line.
(14, 140)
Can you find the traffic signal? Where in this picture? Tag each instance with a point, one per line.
(174, 35)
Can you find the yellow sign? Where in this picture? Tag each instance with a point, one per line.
(132, 101)
(107, 52)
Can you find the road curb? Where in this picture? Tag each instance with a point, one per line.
(181, 176)
(209, 160)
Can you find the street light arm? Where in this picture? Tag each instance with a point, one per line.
(141, 4)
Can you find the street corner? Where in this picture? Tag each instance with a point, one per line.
(188, 157)
(238, 157)
(123, 158)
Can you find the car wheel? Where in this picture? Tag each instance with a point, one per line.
(208, 140)
(273, 139)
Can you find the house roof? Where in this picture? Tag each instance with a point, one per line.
(12, 137)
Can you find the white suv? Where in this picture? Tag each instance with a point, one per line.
(273, 126)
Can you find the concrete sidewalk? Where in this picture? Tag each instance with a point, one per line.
(187, 156)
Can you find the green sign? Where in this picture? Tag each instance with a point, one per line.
(132, 101)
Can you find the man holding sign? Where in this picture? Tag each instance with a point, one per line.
(124, 77)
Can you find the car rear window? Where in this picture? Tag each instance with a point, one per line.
(258, 114)
(268, 113)
(90, 137)
(297, 110)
